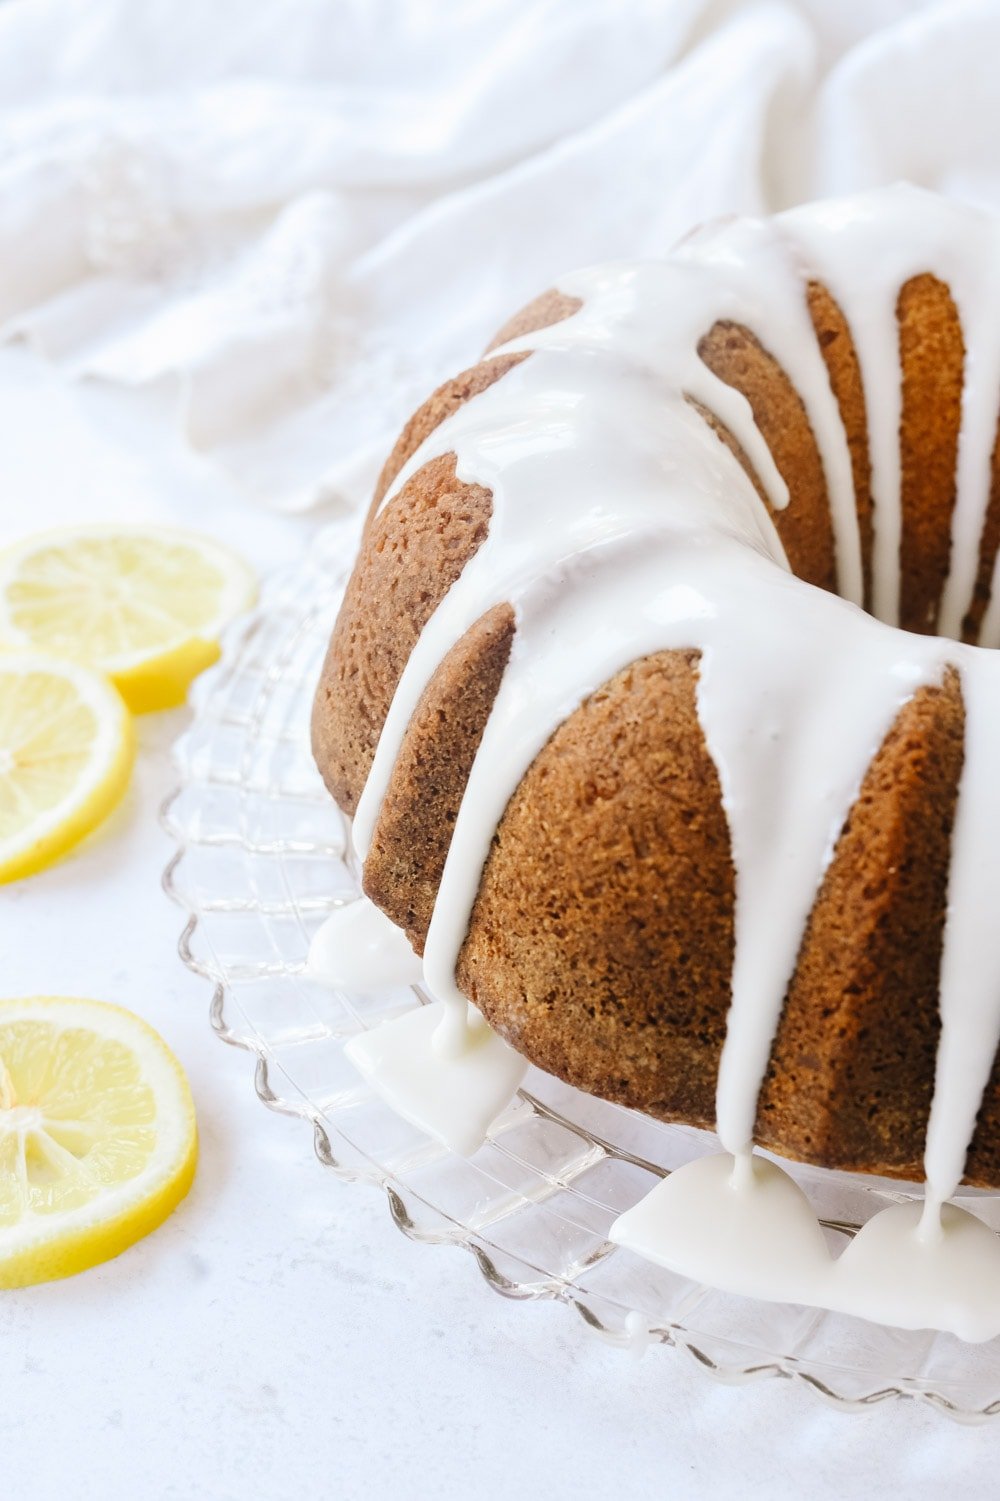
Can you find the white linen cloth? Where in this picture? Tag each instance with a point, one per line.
(305, 214)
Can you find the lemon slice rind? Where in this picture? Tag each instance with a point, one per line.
(41, 1248)
(101, 783)
(66, 592)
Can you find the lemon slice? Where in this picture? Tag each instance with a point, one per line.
(66, 750)
(97, 1135)
(143, 604)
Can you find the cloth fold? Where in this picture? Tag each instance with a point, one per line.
(303, 217)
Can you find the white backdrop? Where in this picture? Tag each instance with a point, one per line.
(303, 214)
(267, 229)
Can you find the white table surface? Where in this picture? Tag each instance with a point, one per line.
(278, 1337)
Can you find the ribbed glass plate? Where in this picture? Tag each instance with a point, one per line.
(261, 860)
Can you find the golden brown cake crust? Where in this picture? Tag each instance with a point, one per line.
(601, 939)
(413, 831)
(852, 1067)
(611, 823)
(737, 357)
(989, 545)
(844, 369)
(414, 551)
(932, 356)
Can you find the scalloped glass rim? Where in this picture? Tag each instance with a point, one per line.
(261, 859)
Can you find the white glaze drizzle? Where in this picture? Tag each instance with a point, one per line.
(758, 1236)
(977, 295)
(359, 949)
(796, 740)
(454, 1097)
(864, 250)
(622, 526)
(970, 964)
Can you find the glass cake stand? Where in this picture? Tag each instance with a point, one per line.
(262, 857)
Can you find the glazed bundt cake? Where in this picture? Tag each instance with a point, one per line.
(663, 690)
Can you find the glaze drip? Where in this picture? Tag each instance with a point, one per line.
(621, 526)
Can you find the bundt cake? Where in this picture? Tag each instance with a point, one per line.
(664, 695)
